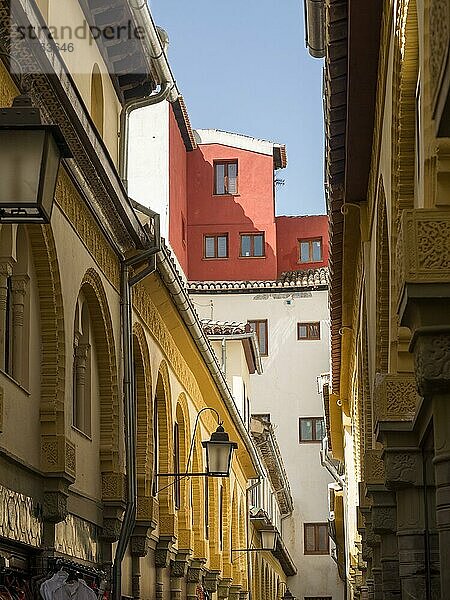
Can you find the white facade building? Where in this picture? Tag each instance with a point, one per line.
(286, 392)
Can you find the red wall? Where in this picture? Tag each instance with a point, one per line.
(252, 210)
(177, 192)
(292, 229)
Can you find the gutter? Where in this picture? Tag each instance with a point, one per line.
(172, 281)
(315, 27)
(154, 49)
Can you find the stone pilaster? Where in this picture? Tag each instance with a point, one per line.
(194, 577)
(178, 571)
(223, 588)
(431, 347)
(163, 555)
(384, 522)
(234, 592)
(6, 270)
(19, 284)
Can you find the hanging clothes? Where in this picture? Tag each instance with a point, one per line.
(59, 588)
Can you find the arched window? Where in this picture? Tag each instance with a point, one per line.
(97, 99)
(176, 466)
(82, 368)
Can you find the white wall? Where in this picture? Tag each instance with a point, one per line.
(148, 160)
(287, 390)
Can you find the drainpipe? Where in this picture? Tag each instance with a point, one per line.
(224, 357)
(315, 27)
(132, 105)
(129, 519)
(328, 464)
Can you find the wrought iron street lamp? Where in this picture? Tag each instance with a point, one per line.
(268, 542)
(30, 154)
(219, 453)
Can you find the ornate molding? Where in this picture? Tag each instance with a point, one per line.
(432, 362)
(180, 564)
(159, 330)
(403, 468)
(195, 571)
(113, 486)
(55, 506)
(423, 247)
(439, 42)
(395, 397)
(164, 552)
(374, 467)
(76, 211)
(223, 588)
(211, 580)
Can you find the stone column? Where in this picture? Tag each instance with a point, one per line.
(81, 418)
(234, 592)
(384, 522)
(211, 581)
(194, 577)
(19, 285)
(5, 273)
(431, 347)
(178, 571)
(163, 556)
(404, 475)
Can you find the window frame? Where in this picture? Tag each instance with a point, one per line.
(310, 242)
(266, 323)
(314, 420)
(316, 539)
(176, 466)
(215, 236)
(309, 327)
(252, 236)
(225, 163)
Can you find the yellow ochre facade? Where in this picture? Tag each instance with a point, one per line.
(63, 443)
(387, 83)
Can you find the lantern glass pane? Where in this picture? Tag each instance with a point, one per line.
(218, 457)
(20, 167)
(51, 173)
(268, 540)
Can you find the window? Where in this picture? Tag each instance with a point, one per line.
(311, 429)
(252, 245)
(176, 465)
(316, 538)
(308, 331)
(215, 246)
(310, 250)
(226, 178)
(260, 327)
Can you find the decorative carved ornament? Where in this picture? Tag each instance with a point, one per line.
(159, 330)
(20, 518)
(396, 397)
(384, 519)
(439, 42)
(432, 362)
(423, 247)
(374, 467)
(402, 468)
(75, 209)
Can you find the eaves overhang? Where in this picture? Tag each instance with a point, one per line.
(350, 86)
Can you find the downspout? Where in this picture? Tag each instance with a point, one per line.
(129, 107)
(329, 466)
(224, 357)
(129, 409)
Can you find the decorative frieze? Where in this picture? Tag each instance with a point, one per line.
(403, 468)
(423, 247)
(20, 518)
(78, 538)
(432, 361)
(395, 397)
(374, 467)
(439, 41)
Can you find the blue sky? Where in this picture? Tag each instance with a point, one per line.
(242, 66)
